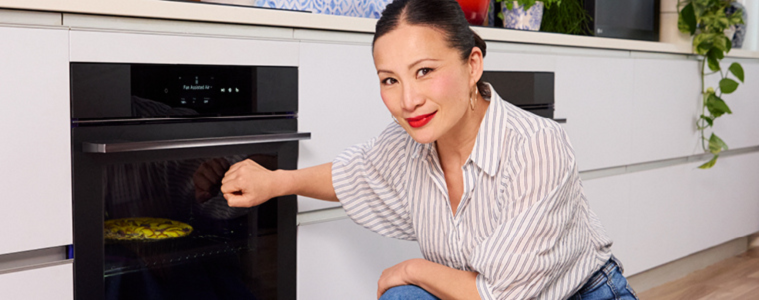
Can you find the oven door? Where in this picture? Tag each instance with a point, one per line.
(133, 177)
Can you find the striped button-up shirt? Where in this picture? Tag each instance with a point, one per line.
(523, 223)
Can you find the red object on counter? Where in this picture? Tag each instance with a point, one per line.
(475, 11)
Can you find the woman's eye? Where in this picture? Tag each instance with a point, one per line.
(423, 71)
(389, 81)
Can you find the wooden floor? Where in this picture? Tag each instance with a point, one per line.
(733, 278)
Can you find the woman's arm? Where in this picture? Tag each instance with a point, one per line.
(249, 184)
(314, 182)
(442, 281)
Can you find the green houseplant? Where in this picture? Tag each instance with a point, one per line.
(570, 17)
(707, 21)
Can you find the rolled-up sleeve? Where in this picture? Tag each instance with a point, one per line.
(369, 182)
(538, 242)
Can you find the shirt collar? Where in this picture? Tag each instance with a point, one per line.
(486, 153)
(487, 146)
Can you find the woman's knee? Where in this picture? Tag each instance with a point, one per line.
(407, 292)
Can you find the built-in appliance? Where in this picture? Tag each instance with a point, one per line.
(531, 91)
(152, 140)
(625, 19)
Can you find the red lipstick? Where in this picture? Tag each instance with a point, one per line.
(420, 121)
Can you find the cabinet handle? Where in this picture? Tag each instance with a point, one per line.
(115, 147)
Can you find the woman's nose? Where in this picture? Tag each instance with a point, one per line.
(411, 98)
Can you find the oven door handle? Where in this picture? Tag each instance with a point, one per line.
(116, 147)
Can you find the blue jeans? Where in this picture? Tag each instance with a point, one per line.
(403, 292)
(608, 283)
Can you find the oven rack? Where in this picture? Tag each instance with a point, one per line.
(122, 258)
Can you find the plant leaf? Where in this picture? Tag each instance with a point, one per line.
(716, 145)
(713, 61)
(719, 55)
(699, 7)
(703, 42)
(737, 70)
(721, 20)
(710, 163)
(716, 106)
(717, 141)
(727, 85)
(720, 42)
(689, 19)
(708, 120)
(736, 17)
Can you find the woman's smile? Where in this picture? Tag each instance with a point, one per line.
(420, 121)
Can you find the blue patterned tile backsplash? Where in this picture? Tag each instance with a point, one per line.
(353, 8)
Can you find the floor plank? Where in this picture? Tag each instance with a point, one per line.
(736, 278)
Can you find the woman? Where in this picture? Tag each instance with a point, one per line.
(491, 192)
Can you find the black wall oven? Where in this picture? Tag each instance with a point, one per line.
(151, 144)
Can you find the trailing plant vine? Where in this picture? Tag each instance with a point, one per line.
(707, 21)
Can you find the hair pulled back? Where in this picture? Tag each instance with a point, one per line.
(443, 15)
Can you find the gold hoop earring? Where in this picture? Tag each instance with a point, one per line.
(471, 99)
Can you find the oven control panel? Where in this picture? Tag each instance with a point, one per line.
(112, 91)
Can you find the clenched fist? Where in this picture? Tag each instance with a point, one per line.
(248, 184)
(207, 178)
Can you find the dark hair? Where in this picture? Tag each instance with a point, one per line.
(443, 15)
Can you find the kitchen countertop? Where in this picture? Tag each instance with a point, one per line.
(227, 14)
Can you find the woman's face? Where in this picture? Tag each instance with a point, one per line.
(424, 83)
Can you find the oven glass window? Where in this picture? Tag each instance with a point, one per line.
(169, 233)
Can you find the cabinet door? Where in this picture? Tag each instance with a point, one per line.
(340, 104)
(342, 260)
(112, 47)
(35, 172)
(56, 282)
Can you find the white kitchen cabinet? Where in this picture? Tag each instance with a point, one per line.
(339, 104)
(342, 260)
(657, 216)
(589, 90)
(740, 129)
(609, 198)
(55, 282)
(724, 204)
(665, 107)
(36, 152)
(95, 46)
(519, 62)
(596, 96)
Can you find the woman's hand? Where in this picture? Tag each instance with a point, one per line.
(207, 178)
(248, 184)
(396, 275)
(442, 281)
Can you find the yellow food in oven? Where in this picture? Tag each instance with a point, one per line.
(145, 229)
